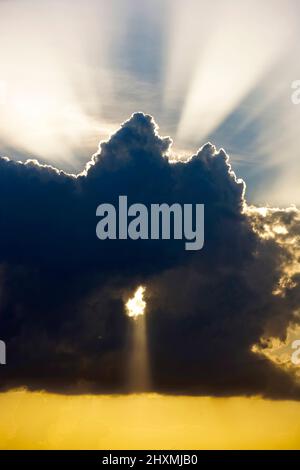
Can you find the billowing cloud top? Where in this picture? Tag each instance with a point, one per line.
(62, 291)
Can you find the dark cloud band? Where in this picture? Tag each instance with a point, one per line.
(62, 291)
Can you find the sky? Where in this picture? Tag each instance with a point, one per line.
(70, 74)
(164, 101)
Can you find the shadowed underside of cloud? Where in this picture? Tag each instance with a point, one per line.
(62, 291)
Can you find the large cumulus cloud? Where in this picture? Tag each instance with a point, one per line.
(62, 291)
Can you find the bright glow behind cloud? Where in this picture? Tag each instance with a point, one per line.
(50, 82)
(70, 72)
(136, 305)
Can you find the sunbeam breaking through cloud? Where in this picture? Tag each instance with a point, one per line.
(219, 71)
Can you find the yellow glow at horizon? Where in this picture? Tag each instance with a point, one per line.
(136, 306)
(45, 421)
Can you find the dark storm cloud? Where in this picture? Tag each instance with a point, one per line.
(62, 290)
